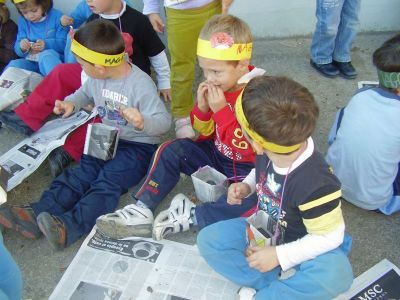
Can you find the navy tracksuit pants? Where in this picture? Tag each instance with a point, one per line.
(93, 188)
(187, 156)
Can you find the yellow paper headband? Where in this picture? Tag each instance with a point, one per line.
(255, 136)
(17, 1)
(107, 60)
(222, 52)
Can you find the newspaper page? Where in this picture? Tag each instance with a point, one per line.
(365, 84)
(381, 282)
(142, 269)
(24, 158)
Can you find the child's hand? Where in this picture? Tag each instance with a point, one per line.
(65, 108)
(216, 98)
(156, 22)
(66, 20)
(202, 101)
(165, 95)
(24, 45)
(133, 116)
(225, 6)
(38, 46)
(236, 193)
(262, 258)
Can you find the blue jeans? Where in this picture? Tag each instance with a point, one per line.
(48, 59)
(223, 245)
(93, 188)
(187, 156)
(336, 28)
(10, 275)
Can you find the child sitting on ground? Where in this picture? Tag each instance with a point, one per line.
(224, 52)
(126, 98)
(8, 34)
(365, 138)
(298, 198)
(41, 38)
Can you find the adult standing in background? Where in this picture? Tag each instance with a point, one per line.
(185, 18)
(336, 28)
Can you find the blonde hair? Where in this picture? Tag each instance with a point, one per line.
(235, 27)
(4, 14)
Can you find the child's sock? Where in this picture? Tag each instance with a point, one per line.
(141, 204)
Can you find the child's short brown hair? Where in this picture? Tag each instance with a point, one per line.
(4, 14)
(101, 36)
(27, 4)
(280, 110)
(235, 27)
(387, 57)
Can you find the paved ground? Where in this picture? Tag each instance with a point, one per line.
(375, 236)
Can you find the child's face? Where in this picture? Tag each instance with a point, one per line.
(90, 69)
(222, 73)
(100, 6)
(33, 13)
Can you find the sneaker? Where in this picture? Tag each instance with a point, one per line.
(183, 128)
(246, 293)
(346, 69)
(53, 229)
(177, 218)
(59, 159)
(20, 218)
(11, 120)
(328, 70)
(129, 221)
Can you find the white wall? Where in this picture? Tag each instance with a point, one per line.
(272, 18)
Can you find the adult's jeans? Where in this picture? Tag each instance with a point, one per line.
(336, 28)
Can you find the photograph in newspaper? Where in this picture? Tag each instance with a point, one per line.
(87, 290)
(141, 269)
(25, 157)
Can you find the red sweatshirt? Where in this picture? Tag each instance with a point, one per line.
(223, 127)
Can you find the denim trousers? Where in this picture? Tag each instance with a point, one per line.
(336, 28)
(48, 59)
(10, 275)
(223, 245)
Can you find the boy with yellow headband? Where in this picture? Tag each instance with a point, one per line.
(298, 199)
(125, 98)
(224, 51)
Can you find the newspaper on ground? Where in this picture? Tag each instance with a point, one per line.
(381, 282)
(142, 269)
(24, 158)
(15, 85)
(363, 84)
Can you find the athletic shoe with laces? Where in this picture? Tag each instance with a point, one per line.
(20, 218)
(129, 221)
(177, 218)
(53, 229)
(183, 128)
(11, 120)
(59, 159)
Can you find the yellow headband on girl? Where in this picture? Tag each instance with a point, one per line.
(107, 60)
(17, 1)
(255, 136)
(222, 47)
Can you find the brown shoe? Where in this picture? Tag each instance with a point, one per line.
(20, 218)
(53, 229)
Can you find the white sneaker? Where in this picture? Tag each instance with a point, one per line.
(183, 128)
(129, 221)
(177, 218)
(246, 293)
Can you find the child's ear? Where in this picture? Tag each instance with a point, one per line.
(257, 147)
(100, 69)
(243, 64)
(398, 91)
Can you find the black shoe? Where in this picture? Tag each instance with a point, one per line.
(11, 120)
(328, 70)
(59, 159)
(346, 69)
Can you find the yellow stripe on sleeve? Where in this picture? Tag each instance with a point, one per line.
(325, 223)
(206, 128)
(320, 201)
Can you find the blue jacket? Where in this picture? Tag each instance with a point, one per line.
(80, 13)
(49, 30)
